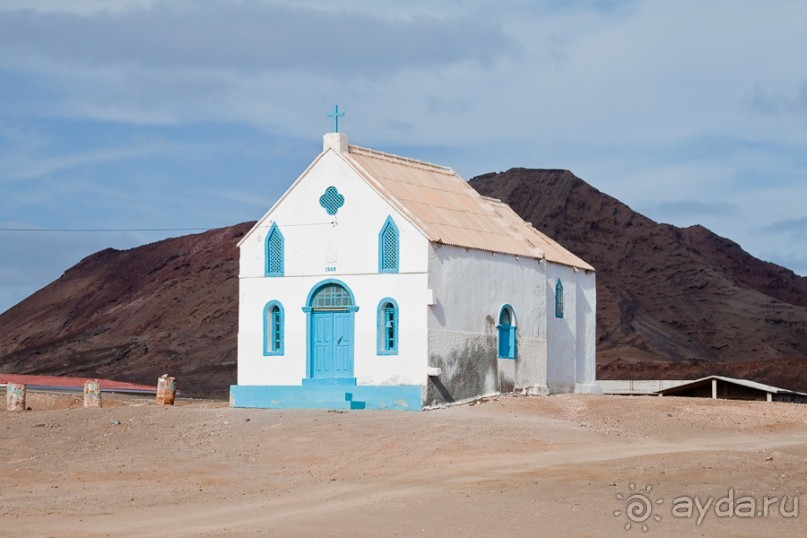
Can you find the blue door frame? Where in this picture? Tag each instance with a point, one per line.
(329, 332)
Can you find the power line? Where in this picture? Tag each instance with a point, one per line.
(102, 230)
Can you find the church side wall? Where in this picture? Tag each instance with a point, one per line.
(562, 332)
(586, 332)
(470, 288)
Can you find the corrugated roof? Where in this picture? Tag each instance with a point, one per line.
(742, 382)
(52, 381)
(449, 211)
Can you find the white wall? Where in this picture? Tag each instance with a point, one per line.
(470, 287)
(562, 332)
(571, 339)
(406, 368)
(318, 247)
(586, 332)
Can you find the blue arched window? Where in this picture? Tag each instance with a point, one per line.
(274, 252)
(273, 329)
(507, 333)
(387, 327)
(388, 249)
(559, 299)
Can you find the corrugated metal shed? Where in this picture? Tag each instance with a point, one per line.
(449, 211)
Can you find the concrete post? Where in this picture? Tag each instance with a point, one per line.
(714, 389)
(92, 393)
(166, 390)
(15, 396)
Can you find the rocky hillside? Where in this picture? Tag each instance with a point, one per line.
(672, 302)
(132, 315)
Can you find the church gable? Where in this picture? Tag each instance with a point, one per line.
(332, 221)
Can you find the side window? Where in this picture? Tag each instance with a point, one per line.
(507, 333)
(387, 327)
(559, 299)
(388, 248)
(274, 252)
(273, 329)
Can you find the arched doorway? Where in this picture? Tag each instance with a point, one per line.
(329, 308)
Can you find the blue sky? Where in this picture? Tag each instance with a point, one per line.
(197, 114)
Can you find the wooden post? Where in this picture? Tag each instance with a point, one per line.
(92, 393)
(15, 396)
(166, 390)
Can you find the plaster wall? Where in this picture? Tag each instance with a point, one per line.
(470, 288)
(408, 367)
(562, 332)
(586, 319)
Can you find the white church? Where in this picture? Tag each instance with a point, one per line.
(382, 282)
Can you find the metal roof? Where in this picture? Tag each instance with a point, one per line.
(742, 382)
(52, 382)
(448, 210)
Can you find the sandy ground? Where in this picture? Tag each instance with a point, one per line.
(517, 466)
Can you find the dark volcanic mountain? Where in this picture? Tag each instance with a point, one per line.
(672, 302)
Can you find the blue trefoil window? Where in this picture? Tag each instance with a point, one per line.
(388, 247)
(559, 299)
(387, 327)
(274, 252)
(507, 333)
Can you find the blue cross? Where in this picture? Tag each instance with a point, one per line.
(336, 115)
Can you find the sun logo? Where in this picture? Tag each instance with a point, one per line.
(638, 507)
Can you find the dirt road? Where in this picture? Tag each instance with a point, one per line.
(517, 466)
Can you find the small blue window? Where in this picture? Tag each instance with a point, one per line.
(274, 252)
(273, 329)
(388, 249)
(387, 327)
(559, 299)
(507, 333)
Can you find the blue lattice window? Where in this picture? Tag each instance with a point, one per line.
(274, 252)
(388, 247)
(273, 329)
(387, 327)
(507, 333)
(331, 200)
(559, 299)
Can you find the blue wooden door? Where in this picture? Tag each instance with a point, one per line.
(322, 339)
(332, 342)
(342, 344)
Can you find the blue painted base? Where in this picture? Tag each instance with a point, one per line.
(331, 396)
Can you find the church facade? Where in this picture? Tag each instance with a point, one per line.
(378, 281)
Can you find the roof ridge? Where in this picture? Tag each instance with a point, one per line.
(391, 156)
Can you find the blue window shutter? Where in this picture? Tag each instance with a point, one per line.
(559, 299)
(388, 247)
(273, 329)
(274, 252)
(388, 320)
(507, 333)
